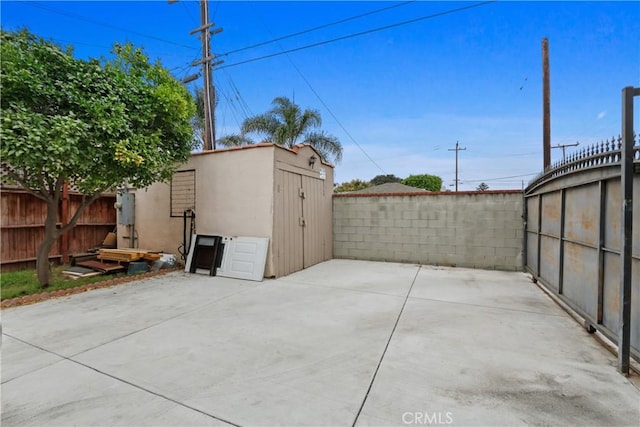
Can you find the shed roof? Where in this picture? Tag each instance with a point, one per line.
(293, 149)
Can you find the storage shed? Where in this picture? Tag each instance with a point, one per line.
(260, 190)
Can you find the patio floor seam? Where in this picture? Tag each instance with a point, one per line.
(61, 358)
(122, 380)
(386, 347)
(184, 313)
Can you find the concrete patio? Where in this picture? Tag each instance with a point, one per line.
(341, 343)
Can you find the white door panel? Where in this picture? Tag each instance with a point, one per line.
(244, 257)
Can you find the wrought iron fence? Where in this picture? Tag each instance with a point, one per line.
(603, 153)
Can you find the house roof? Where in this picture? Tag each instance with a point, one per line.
(389, 187)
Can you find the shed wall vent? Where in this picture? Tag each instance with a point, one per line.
(183, 192)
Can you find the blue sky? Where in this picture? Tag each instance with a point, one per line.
(400, 98)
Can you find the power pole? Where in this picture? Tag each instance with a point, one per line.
(209, 91)
(546, 106)
(207, 74)
(456, 150)
(563, 146)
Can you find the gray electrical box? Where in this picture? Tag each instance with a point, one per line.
(125, 203)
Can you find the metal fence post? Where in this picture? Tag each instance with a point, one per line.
(626, 176)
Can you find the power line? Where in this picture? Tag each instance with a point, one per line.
(186, 9)
(230, 105)
(337, 121)
(243, 104)
(349, 36)
(104, 24)
(331, 113)
(277, 39)
(500, 178)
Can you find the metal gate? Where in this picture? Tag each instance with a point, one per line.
(578, 232)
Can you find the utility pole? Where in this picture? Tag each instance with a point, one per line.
(456, 150)
(209, 92)
(563, 146)
(546, 106)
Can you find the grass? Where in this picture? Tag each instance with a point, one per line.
(20, 283)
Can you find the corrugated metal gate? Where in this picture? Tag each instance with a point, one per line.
(573, 236)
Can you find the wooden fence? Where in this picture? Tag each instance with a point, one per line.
(22, 227)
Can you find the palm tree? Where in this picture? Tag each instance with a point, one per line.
(234, 141)
(286, 125)
(197, 121)
(198, 125)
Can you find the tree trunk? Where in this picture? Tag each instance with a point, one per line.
(50, 236)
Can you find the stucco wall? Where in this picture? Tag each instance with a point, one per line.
(234, 192)
(154, 228)
(466, 229)
(234, 196)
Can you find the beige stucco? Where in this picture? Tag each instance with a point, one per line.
(234, 197)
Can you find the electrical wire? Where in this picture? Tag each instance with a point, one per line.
(331, 113)
(338, 121)
(103, 24)
(186, 9)
(238, 96)
(500, 178)
(361, 33)
(277, 39)
(230, 104)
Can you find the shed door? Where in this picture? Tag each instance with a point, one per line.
(288, 230)
(314, 238)
(302, 222)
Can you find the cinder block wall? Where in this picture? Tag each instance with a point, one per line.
(466, 229)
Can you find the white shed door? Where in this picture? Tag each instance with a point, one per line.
(244, 257)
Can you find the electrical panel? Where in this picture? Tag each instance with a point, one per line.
(126, 208)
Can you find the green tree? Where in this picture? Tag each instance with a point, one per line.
(383, 179)
(353, 185)
(428, 182)
(482, 186)
(95, 123)
(286, 125)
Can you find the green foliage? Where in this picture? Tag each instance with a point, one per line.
(25, 282)
(353, 185)
(94, 123)
(287, 124)
(428, 182)
(483, 186)
(234, 141)
(198, 119)
(383, 179)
